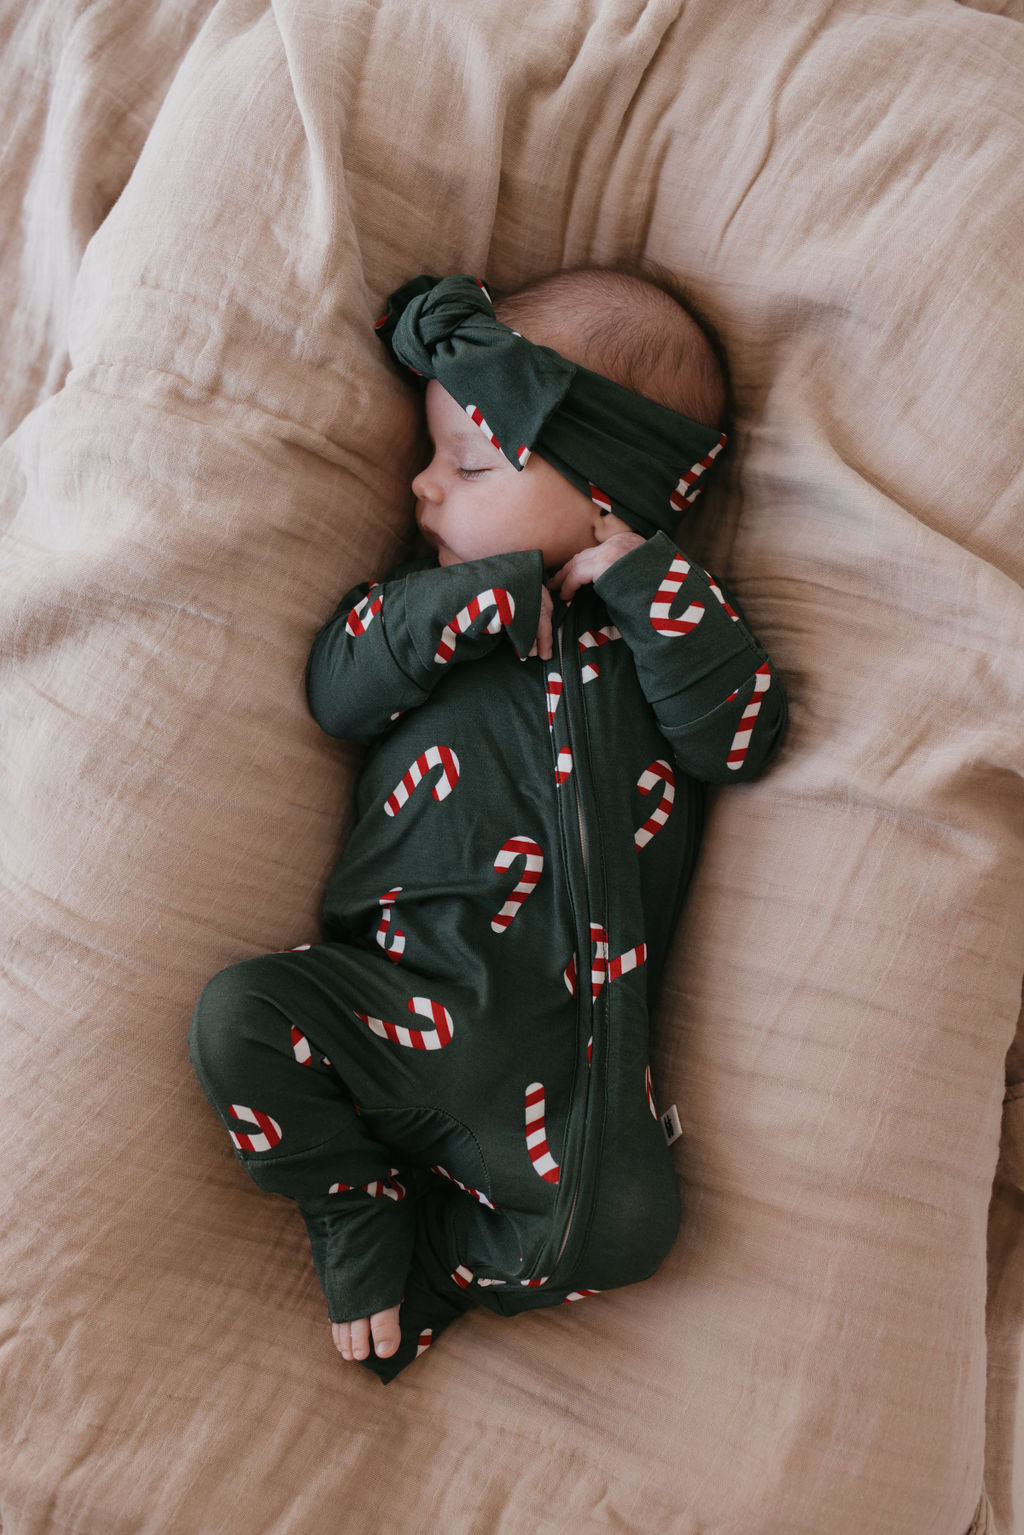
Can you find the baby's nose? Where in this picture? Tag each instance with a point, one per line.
(424, 486)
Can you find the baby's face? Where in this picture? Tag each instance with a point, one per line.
(471, 502)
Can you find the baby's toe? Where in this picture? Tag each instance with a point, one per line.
(360, 1337)
(341, 1333)
(387, 1331)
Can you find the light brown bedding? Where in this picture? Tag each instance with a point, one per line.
(203, 458)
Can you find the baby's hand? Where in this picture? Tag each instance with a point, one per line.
(542, 644)
(593, 562)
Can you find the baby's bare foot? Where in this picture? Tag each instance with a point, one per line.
(352, 1339)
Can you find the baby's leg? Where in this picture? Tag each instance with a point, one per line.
(258, 1042)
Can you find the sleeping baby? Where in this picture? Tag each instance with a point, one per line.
(454, 1085)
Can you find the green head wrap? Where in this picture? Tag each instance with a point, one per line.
(631, 456)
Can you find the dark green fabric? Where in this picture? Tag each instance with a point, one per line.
(645, 461)
(653, 667)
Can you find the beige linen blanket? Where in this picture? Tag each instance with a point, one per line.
(201, 206)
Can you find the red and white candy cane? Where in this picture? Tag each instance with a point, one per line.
(415, 1039)
(602, 968)
(513, 848)
(741, 740)
(476, 415)
(390, 1187)
(688, 489)
(393, 944)
(270, 1134)
(563, 766)
(300, 1047)
(658, 771)
(473, 1193)
(579, 1295)
(649, 1090)
(661, 607)
(463, 1276)
(553, 696)
(364, 612)
(504, 607)
(434, 756)
(424, 1341)
(602, 501)
(537, 1137)
(631, 960)
(589, 640)
(721, 597)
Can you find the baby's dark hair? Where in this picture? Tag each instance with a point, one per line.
(632, 325)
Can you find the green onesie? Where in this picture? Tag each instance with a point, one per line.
(454, 1085)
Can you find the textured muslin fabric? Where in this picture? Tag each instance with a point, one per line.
(205, 449)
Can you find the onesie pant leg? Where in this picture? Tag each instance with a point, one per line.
(277, 1053)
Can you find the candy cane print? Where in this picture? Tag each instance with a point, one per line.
(600, 500)
(364, 612)
(553, 696)
(721, 597)
(536, 1135)
(476, 415)
(424, 1341)
(658, 771)
(463, 1276)
(599, 940)
(661, 607)
(589, 640)
(649, 1090)
(741, 740)
(517, 847)
(599, 963)
(269, 1137)
(390, 1187)
(504, 611)
(300, 1047)
(579, 1295)
(434, 756)
(535, 1284)
(631, 960)
(602, 967)
(396, 948)
(563, 767)
(415, 1039)
(687, 491)
(473, 1193)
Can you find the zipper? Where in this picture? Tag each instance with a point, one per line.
(583, 967)
(575, 783)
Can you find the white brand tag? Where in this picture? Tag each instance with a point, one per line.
(670, 1124)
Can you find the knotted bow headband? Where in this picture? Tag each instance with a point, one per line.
(631, 456)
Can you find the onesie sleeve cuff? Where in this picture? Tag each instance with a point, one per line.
(635, 574)
(437, 597)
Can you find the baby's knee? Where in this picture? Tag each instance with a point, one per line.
(228, 1014)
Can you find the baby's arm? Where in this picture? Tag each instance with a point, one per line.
(389, 643)
(718, 700)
